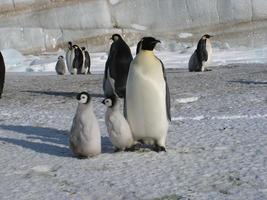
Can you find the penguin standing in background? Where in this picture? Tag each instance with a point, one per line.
(118, 128)
(85, 137)
(148, 97)
(78, 61)
(70, 57)
(60, 66)
(117, 67)
(201, 58)
(87, 60)
(2, 74)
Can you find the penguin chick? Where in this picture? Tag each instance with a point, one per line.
(117, 126)
(85, 137)
(60, 66)
(201, 58)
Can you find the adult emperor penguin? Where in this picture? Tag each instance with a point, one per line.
(85, 137)
(138, 47)
(118, 128)
(148, 97)
(117, 67)
(70, 54)
(2, 74)
(60, 66)
(201, 58)
(87, 60)
(78, 62)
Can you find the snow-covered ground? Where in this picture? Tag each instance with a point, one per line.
(171, 54)
(216, 144)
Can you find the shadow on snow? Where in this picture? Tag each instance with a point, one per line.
(64, 94)
(47, 140)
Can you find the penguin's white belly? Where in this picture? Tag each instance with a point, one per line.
(209, 51)
(146, 103)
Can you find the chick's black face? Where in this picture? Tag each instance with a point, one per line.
(149, 43)
(83, 97)
(115, 37)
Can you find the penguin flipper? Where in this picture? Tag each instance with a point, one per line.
(168, 98)
(202, 53)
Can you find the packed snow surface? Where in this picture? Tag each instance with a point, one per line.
(171, 54)
(216, 144)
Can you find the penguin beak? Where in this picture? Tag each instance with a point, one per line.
(156, 41)
(103, 102)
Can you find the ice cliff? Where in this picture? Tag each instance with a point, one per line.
(43, 25)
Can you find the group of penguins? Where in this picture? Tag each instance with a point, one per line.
(141, 83)
(77, 60)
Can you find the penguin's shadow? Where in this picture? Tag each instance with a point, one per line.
(64, 94)
(40, 139)
(47, 140)
(242, 81)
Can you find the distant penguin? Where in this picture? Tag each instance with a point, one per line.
(2, 74)
(118, 128)
(78, 62)
(148, 97)
(60, 66)
(87, 60)
(70, 57)
(201, 58)
(85, 137)
(117, 67)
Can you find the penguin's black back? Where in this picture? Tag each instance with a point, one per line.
(202, 53)
(118, 64)
(78, 59)
(2, 74)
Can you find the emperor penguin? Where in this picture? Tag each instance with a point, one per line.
(2, 74)
(117, 67)
(148, 97)
(60, 66)
(201, 58)
(78, 62)
(138, 47)
(70, 54)
(117, 126)
(87, 60)
(85, 137)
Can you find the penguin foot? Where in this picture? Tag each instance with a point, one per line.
(158, 148)
(135, 147)
(116, 150)
(81, 157)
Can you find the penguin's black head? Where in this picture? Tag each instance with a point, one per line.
(115, 37)
(149, 43)
(83, 98)
(70, 44)
(110, 101)
(206, 36)
(60, 57)
(83, 48)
